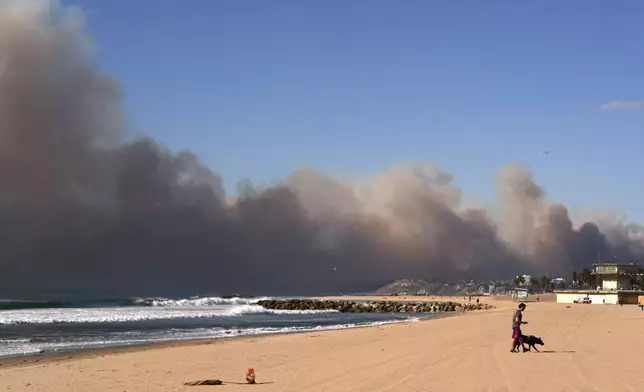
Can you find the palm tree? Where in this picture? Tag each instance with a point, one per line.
(575, 277)
(544, 282)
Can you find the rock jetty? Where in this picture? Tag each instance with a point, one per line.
(370, 306)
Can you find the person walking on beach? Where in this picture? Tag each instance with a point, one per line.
(517, 320)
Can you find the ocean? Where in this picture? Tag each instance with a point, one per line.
(47, 327)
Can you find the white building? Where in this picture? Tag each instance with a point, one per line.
(520, 294)
(614, 276)
(612, 285)
(527, 280)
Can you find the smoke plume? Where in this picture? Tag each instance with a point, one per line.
(84, 207)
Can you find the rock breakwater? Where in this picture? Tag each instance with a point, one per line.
(370, 306)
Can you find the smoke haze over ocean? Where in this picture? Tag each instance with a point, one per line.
(85, 207)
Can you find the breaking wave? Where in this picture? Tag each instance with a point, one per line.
(123, 315)
(195, 301)
(13, 304)
(13, 347)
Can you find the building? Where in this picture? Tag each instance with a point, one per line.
(520, 294)
(614, 276)
(611, 284)
(527, 280)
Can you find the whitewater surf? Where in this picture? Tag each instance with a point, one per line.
(32, 327)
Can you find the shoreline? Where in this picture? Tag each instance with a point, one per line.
(26, 360)
(455, 352)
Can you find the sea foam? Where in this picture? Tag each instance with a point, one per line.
(131, 314)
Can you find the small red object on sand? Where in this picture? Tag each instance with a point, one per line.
(250, 376)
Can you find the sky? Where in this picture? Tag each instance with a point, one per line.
(259, 88)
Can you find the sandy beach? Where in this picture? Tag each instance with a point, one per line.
(588, 348)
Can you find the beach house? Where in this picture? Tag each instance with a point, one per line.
(610, 283)
(614, 276)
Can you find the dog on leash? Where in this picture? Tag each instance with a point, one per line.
(529, 340)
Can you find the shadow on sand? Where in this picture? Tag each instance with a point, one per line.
(211, 383)
(555, 352)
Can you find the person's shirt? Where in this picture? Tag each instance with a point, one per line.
(517, 318)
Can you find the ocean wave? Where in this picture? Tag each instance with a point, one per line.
(195, 301)
(14, 341)
(17, 304)
(121, 315)
(243, 310)
(26, 346)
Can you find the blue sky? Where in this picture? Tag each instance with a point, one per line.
(258, 88)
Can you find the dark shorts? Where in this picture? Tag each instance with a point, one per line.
(516, 332)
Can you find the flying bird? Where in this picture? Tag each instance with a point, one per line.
(546, 152)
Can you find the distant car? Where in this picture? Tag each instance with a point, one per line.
(584, 300)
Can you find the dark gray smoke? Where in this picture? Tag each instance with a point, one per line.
(84, 208)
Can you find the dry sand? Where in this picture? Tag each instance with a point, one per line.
(588, 348)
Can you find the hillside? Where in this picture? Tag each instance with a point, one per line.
(455, 288)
